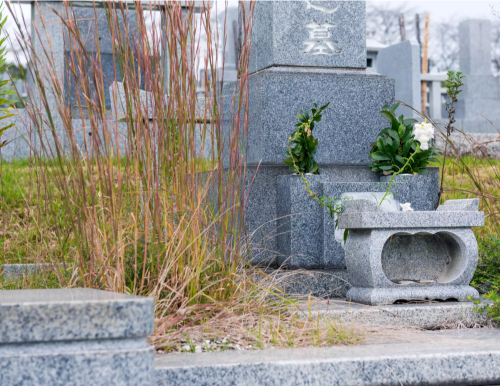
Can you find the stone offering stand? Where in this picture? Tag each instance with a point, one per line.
(424, 255)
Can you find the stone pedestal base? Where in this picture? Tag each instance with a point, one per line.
(380, 296)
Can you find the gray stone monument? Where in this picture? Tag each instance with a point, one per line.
(481, 92)
(401, 62)
(307, 52)
(75, 337)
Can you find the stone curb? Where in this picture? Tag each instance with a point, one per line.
(465, 358)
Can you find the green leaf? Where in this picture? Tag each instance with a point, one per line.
(380, 144)
(379, 156)
(387, 115)
(346, 234)
(395, 106)
(409, 121)
(400, 159)
(385, 168)
(401, 130)
(393, 134)
(406, 148)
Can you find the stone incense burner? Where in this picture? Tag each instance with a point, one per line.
(421, 255)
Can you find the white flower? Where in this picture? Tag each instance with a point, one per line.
(406, 207)
(423, 132)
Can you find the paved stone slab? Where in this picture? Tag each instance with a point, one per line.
(465, 358)
(430, 315)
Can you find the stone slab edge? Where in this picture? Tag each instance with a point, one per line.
(473, 361)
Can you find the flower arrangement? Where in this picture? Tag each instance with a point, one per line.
(403, 147)
(301, 155)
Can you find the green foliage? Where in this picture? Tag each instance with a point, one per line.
(302, 161)
(487, 275)
(396, 151)
(301, 155)
(491, 305)
(453, 84)
(5, 89)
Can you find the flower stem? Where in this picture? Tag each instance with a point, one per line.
(398, 172)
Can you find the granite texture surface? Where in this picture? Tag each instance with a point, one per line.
(333, 247)
(464, 358)
(308, 34)
(421, 190)
(270, 214)
(72, 314)
(24, 142)
(401, 62)
(322, 283)
(147, 101)
(304, 228)
(75, 337)
(430, 316)
(380, 296)
(436, 219)
(471, 204)
(13, 272)
(277, 94)
(388, 260)
(79, 366)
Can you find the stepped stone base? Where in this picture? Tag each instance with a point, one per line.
(75, 337)
(377, 296)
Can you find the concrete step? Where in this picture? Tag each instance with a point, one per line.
(463, 357)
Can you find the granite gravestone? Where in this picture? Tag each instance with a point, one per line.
(307, 52)
(49, 34)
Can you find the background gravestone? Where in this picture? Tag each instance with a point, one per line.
(481, 91)
(402, 63)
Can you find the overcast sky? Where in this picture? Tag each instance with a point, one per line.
(447, 10)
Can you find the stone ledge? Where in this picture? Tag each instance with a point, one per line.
(465, 357)
(383, 220)
(72, 314)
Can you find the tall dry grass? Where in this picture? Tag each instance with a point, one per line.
(129, 201)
